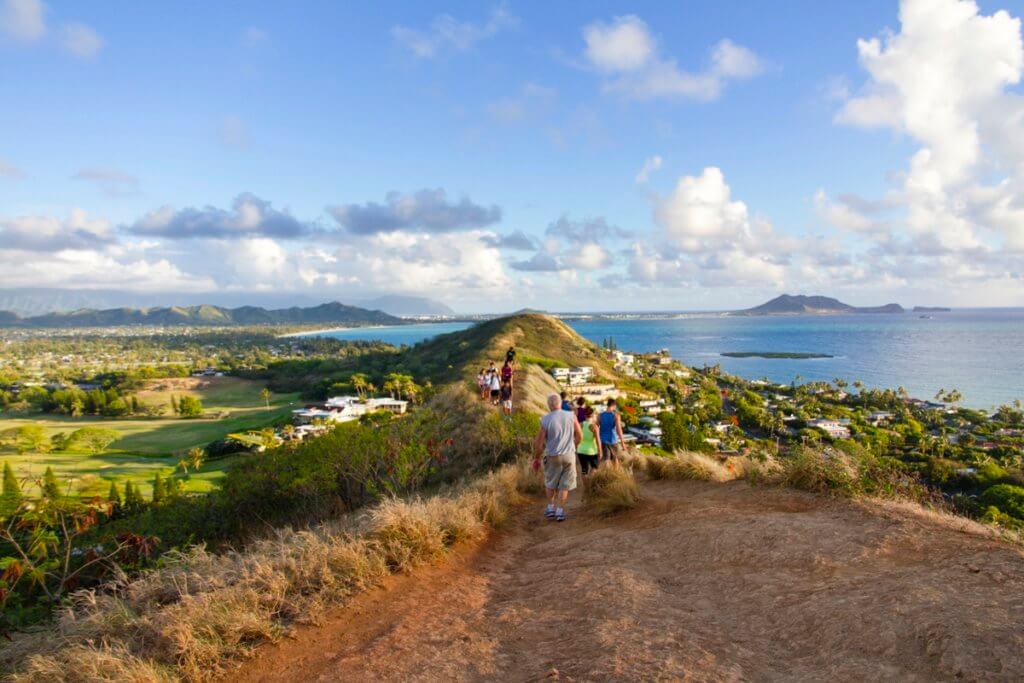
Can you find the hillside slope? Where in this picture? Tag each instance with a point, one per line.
(702, 582)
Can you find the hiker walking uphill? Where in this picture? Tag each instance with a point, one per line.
(611, 432)
(557, 439)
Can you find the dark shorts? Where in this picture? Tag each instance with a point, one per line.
(612, 451)
(588, 463)
(495, 393)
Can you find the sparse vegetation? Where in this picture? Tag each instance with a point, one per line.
(611, 489)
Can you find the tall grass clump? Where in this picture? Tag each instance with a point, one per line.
(818, 472)
(198, 611)
(610, 490)
(690, 465)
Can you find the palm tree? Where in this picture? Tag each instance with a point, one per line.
(360, 383)
(265, 395)
(194, 459)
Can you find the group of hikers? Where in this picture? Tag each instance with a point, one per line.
(496, 384)
(571, 433)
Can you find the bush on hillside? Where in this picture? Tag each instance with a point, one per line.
(611, 489)
(1006, 498)
(188, 618)
(813, 470)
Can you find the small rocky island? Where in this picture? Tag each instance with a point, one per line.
(791, 355)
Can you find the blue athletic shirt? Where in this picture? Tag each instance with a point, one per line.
(609, 434)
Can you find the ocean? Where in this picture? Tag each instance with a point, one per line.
(980, 352)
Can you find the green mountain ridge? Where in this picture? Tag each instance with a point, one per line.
(333, 313)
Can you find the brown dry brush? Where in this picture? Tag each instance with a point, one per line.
(611, 489)
(190, 618)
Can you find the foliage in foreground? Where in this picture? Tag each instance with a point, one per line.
(611, 489)
(199, 611)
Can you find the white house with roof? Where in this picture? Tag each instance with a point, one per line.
(833, 428)
(346, 409)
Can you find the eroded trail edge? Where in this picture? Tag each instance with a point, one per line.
(703, 581)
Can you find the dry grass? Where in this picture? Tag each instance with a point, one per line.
(191, 617)
(611, 489)
(811, 470)
(687, 465)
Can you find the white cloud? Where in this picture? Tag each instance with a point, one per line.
(446, 33)
(44, 233)
(625, 50)
(81, 40)
(700, 208)
(23, 20)
(623, 44)
(944, 80)
(651, 165)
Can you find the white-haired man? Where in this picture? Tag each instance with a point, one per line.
(557, 439)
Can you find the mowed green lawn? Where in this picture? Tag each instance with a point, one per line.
(151, 445)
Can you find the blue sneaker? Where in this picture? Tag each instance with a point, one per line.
(549, 513)
(560, 515)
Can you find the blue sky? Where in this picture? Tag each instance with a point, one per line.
(346, 150)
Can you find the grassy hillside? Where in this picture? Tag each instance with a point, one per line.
(541, 342)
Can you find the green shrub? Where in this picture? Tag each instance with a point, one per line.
(1007, 498)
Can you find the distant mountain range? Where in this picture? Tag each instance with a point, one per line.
(33, 301)
(324, 314)
(788, 304)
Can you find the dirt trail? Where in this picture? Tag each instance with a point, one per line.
(702, 582)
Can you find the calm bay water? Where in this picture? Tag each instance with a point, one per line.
(980, 351)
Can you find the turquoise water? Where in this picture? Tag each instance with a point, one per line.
(980, 352)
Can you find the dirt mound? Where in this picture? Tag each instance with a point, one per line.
(704, 581)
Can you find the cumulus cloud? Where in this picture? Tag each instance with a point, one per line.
(626, 52)
(422, 211)
(110, 181)
(945, 80)
(445, 33)
(23, 20)
(651, 165)
(48, 233)
(81, 40)
(709, 239)
(249, 216)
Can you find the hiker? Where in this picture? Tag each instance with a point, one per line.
(566, 405)
(581, 409)
(495, 385)
(557, 439)
(506, 372)
(589, 448)
(611, 432)
(483, 384)
(510, 356)
(506, 397)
